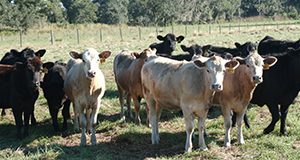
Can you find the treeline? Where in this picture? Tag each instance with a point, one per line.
(22, 14)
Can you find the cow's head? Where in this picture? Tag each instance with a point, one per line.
(145, 54)
(215, 67)
(194, 49)
(246, 48)
(256, 65)
(169, 42)
(15, 56)
(90, 60)
(29, 72)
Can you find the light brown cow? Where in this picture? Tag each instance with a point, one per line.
(85, 85)
(238, 89)
(127, 69)
(188, 86)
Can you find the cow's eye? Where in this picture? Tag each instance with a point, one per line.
(247, 65)
(207, 71)
(83, 61)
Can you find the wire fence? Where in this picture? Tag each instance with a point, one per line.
(93, 34)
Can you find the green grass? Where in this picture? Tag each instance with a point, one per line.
(119, 140)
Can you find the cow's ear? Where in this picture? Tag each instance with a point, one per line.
(206, 48)
(75, 55)
(231, 66)
(199, 64)
(269, 62)
(103, 55)
(48, 65)
(15, 53)
(184, 48)
(40, 53)
(179, 39)
(161, 38)
(136, 55)
(240, 60)
(237, 44)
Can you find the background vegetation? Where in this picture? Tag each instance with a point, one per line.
(126, 140)
(21, 14)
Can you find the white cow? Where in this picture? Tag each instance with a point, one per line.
(85, 86)
(188, 86)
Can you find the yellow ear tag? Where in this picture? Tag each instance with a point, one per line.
(102, 60)
(230, 70)
(45, 70)
(266, 66)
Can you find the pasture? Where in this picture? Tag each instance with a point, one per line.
(126, 140)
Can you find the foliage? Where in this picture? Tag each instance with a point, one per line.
(22, 14)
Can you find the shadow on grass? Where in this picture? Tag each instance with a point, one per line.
(110, 94)
(126, 146)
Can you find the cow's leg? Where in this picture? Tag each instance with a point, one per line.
(53, 113)
(18, 120)
(284, 111)
(121, 99)
(273, 108)
(76, 116)
(153, 121)
(246, 120)
(189, 128)
(239, 120)
(93, 122)
(137, 109)
(147, 112)
(128, 102)
(201, 127)
(66, 114)
(228, 123)
(33, 120)
(26, 122)
(3, 112)
(82, 120)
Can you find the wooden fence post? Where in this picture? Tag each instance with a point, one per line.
(100, 34)
(140, 34)
(198, 29)
(21, 38)
(209, 29)
(121, 34)
(185, 30)
(220, 30)
(77, 31)
(51, 37)
(172, 28)
(156, 30)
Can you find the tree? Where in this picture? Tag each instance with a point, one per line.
(55, 11)
(112, 11)
(80, 11)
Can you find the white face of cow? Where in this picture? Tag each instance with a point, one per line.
(256, 65)
(90, 60)
(215, 67)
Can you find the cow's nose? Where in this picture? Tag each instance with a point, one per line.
(91, 74)
(37, 84)
(216, 87)
(257, 79)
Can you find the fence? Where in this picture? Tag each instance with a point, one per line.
(92, 34)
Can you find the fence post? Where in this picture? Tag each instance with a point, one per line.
(77, 36)
(277, 25)
(140, 34)
(121, 34)
(220, 30)
(51, 37)
(100, 34)
(156, 30)
(172, 28)
(21, 38)
(198, 29)
(239, 27)
(209, 29)
(185, 30)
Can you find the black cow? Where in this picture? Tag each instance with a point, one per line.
(14, 56)
(241, 50)
(269, 45)
(168, 44)
(52, 85)
(192, 50)
(19, 89)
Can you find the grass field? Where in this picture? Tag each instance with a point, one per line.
(119, 140)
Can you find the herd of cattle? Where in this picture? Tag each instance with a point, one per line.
(263, 74)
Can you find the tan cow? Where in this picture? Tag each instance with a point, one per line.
(85, 85)
(238, 90)
(127, 69)
(188, 86)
